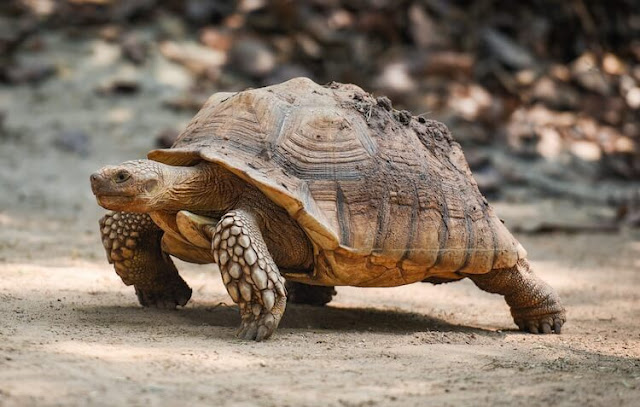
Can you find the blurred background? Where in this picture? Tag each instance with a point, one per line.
(544, 96)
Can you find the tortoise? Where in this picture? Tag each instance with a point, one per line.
(296, 188)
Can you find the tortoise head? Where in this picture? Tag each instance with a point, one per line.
(133, 186)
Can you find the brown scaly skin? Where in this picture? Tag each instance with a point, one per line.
(132, 243)
(535, 306)
(145, 186)
(249, 273)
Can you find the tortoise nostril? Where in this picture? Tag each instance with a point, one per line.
(94, 177)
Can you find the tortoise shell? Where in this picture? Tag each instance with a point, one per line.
(385, 198)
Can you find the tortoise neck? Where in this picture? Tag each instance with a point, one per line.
(202, 187)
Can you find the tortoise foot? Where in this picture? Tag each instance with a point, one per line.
(259, 323)
(298, 293)
(168, 298)
(133, 244)
(535, 305)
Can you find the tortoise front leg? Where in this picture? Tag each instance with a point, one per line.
(132, 242)
(535, 306)
(249, 273)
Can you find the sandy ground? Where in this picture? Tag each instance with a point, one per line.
(72, 334)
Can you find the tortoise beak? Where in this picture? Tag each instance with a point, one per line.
(102, 185)
(97, 181)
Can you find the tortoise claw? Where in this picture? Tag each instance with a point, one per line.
(557, 325)
(257, 328)
(247, 331)
(542, 325)
(263, 333)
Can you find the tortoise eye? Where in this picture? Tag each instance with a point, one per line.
(121, 176)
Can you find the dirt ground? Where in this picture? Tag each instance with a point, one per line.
(72, 334)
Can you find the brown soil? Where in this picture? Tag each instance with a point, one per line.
(72, 334)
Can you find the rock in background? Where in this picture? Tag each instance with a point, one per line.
(541, 94)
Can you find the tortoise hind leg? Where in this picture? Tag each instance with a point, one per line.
(133, 245)
(299, 293)
(535, 306)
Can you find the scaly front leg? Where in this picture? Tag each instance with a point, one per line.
(132, 242)
(250, 274)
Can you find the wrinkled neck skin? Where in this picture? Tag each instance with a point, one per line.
(200, 188)
(210, 190)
